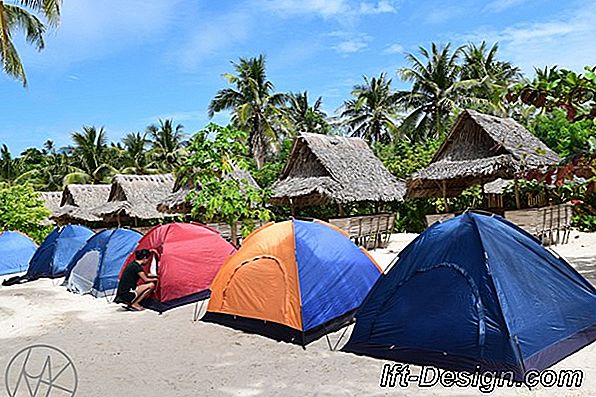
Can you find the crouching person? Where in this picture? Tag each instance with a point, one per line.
(130, 292)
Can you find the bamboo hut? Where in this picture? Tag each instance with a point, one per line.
(51, 201)
(133, 199)
(176, 203)
(78, 202)
(323, 169)
(479, 149)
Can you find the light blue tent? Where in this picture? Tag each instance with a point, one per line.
(95, 268)
(16, 251)
(56, 251)
(477, 291)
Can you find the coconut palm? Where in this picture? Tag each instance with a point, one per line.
(254, 106)
(90, 154)
(305, 117)
(20, 15)
(436, 90)
(372, 113)
(168, 144)
(136, 155)
(10, 167)
(55, 172)
(481, 63)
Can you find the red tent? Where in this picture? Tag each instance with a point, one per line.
(187, 257)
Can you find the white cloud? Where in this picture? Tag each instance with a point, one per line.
(566, 41)
(327, 8)
(394, 49)
(351, 43)
(91, 29)
(380, 7)
(502, 5)
(212, 35)
(178, 116)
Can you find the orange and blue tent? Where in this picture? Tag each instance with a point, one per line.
(293, 281)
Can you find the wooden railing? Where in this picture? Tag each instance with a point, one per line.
(551, 225)
(369, 231)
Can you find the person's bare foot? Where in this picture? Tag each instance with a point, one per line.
(137, 307)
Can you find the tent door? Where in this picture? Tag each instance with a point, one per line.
(84, 273)
(448, 316)
(257, 289)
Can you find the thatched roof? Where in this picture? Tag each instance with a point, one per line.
(175, 202)
(78, 202)
(136, 196)
(51, 200)
(323, 169)
(480, 148)
(497, 186)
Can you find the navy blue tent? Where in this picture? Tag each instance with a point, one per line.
(473, 291)
(16, 251)
(95, 267)
(56, 251)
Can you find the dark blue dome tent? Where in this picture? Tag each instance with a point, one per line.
(56, 251)
(16, 250)
(477, 290)
(95, 268)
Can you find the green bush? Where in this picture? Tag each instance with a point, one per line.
(22, 210)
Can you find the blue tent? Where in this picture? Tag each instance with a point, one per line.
(477, 290)
(56, 251)
(95, 267)
(16, 251)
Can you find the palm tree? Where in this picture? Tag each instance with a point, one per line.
(480, 63)
(254, 106)
(305, 117)
(372, 113)
(21, 16)
(91, 156)
(136, 154)
(55, 172)
(168, 144)
(436, 90)
(10, 167)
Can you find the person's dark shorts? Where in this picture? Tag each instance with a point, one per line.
(125, 297)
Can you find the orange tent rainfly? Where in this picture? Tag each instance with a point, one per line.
(187, 256)
(293, 281)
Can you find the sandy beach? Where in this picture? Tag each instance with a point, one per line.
(117, 352)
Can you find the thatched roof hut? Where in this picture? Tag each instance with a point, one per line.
(479, 149)
(135, 197)
(78, 202)
(51, 200)
(325, 169)
(175, 202)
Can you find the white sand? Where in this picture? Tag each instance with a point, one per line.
(119, 353)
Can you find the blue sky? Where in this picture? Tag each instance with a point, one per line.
(124, 64)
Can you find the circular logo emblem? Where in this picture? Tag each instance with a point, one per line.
(41, 370)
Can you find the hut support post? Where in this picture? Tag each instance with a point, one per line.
(444, 190)
(341, 209)
(234, 233)
(516, 190)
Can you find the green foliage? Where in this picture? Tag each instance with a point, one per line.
(402, 158)
(22, 210)
(560, 88)
(372, 113)
(215, 153)
(561, 135)
(272, 169)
